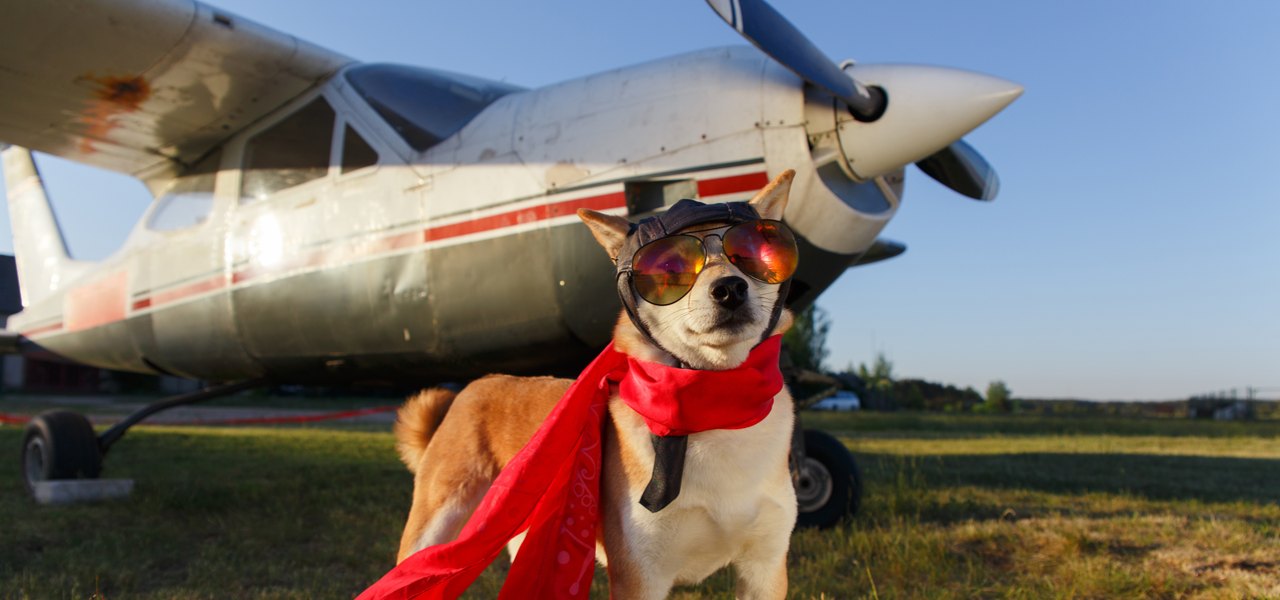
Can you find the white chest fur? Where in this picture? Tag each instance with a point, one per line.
(736, 503)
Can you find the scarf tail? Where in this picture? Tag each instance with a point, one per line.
(561, 462)
(557, 558)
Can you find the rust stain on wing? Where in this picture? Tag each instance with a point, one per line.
(111, 96)
(128, 93)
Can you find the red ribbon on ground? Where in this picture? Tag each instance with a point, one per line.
(12, 419)
(552, 486)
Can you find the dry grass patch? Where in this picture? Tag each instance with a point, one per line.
(955, 507)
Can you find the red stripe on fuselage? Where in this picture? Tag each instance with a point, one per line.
(104, 301)
(523, 216)
(44, 329)
(216, 282)
(733, 184)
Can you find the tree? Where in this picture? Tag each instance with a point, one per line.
(878, 380)
(880, 375)
(999, 398)
(806, 341)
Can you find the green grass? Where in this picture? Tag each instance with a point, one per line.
(955, 507)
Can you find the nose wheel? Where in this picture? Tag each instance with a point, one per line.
(827, 481)
(62, 448)
(59, 444)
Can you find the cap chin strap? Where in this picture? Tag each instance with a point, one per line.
(668, 465)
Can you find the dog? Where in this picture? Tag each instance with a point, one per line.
(736, 504)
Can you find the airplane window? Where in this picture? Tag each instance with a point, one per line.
(180, 211)
(356, 153)
(424, 106)
(292, 152)
(189, 200)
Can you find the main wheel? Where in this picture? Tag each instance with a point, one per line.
(59, 444)
(829, 486)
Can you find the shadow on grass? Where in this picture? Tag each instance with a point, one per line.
(1155, 477)
(216, 513)
(968, 426)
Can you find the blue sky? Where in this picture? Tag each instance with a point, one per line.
(1133, 251)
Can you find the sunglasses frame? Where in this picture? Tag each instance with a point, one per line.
(717, 232)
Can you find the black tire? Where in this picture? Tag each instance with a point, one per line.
(829, 487)
(59, 444)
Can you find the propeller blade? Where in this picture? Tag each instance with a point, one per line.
(773, 34)
(881, 249)
(962, 169)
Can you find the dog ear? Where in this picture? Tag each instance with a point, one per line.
(772, 199)
(609, 230)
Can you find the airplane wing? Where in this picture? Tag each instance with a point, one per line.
(142, 86)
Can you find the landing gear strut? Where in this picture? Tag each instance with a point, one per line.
(828, 483)
(61, 445)
(827, 480)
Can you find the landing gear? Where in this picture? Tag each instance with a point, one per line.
(59, 444)
(828, 483)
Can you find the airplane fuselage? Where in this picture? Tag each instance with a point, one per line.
(381, 258)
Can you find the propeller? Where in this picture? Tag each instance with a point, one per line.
(957, 166)
(774, 35)
(881, 249)
(961, 168)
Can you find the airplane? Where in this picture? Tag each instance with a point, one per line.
(318, 219)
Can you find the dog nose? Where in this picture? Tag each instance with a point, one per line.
(729, 292)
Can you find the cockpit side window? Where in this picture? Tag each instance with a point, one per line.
(292, 152)
(424, 106)
(356, 153)
(188, 202)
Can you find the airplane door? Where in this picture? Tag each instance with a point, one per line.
(325, 255)
(376, 210)
(186, 324)
(277, 236)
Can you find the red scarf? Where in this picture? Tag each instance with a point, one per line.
(552, 486)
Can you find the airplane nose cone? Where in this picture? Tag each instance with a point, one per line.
(929, 108)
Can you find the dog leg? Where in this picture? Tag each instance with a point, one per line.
(626, 584)
(513, 546)
(762, 581)
(438, 518)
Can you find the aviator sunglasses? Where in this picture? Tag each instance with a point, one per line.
(664, 270)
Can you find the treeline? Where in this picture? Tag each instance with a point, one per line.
(1262, 410)
(875, 385)
(886, 393)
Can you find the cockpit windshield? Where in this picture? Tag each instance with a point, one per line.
(424, 106)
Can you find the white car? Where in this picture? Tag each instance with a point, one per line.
(842, 400)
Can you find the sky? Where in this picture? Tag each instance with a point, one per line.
(1133, 252)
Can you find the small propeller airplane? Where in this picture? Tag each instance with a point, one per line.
(320, 219)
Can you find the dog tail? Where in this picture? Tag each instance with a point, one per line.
(417, 421)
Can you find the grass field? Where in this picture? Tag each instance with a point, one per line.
(955, 507)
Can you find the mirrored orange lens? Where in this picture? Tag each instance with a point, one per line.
(664, 270)
(764, 249)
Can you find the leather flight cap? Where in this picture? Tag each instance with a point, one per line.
(682, 214)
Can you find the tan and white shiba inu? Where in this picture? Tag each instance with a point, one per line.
(736, 505)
